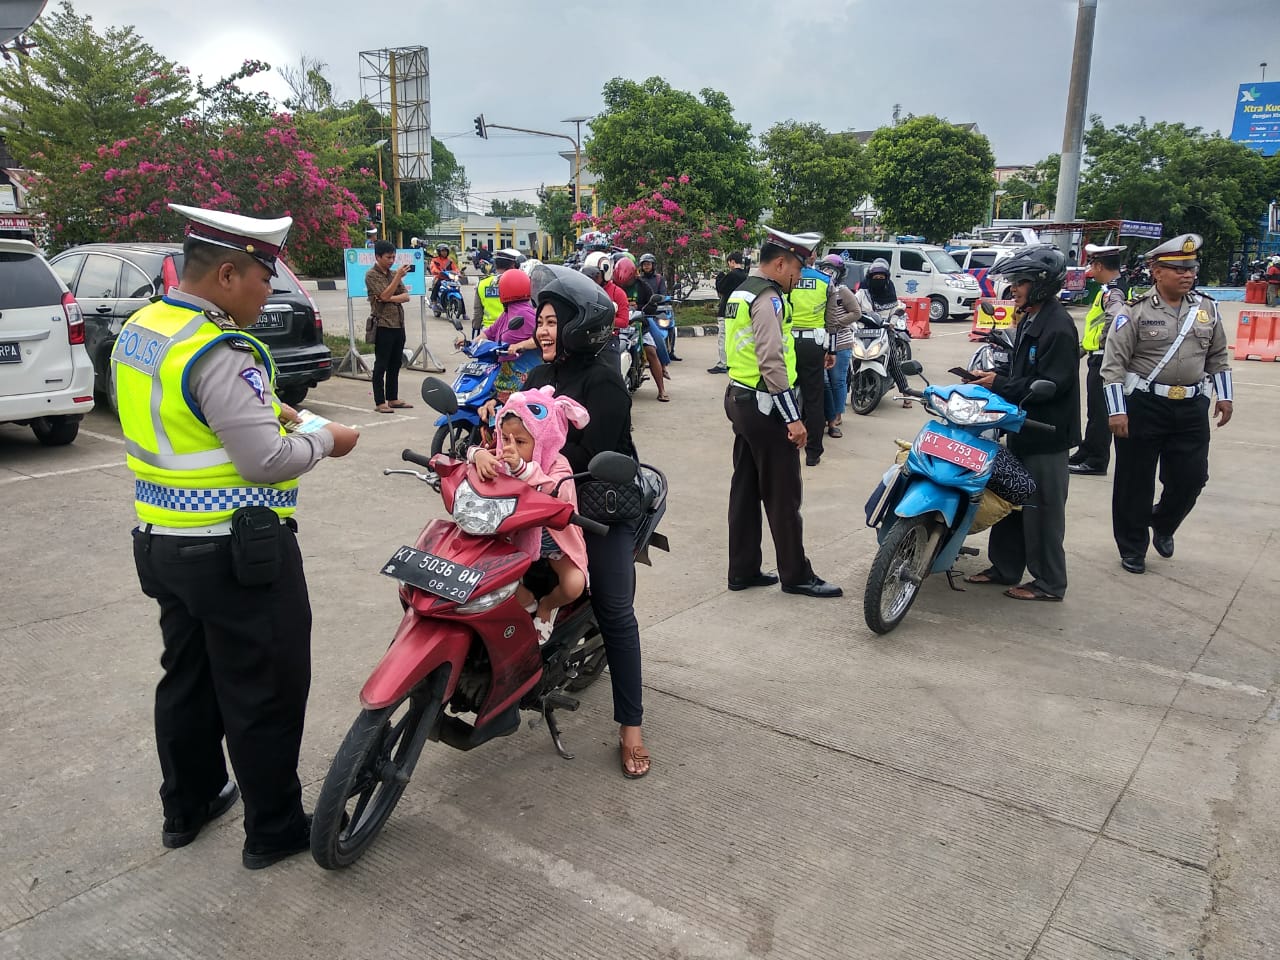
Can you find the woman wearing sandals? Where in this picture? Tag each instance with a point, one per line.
(574, 324)
(387, 297)
(1045, 347)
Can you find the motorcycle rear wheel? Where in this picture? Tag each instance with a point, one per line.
(452, 439)
(372, 767)
(453, 313)
(897, 573)
(865, 391)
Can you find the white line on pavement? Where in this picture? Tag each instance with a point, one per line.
(62, 473)
(379, 423)
(330, 403)
(100, 436)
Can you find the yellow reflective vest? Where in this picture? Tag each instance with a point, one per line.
(739, 341)
(490, 302)
(183, 476)
(1095, 321)
(809, 300)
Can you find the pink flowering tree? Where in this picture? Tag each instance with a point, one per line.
(665, 221)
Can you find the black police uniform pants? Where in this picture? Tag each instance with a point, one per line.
(237, 664)
(766, 469)
(611, 562)
(1095, 449)
(811, 378)
(388, 355)
(1164, 434)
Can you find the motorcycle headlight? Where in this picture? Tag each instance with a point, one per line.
(964, 410)
(477, 515)
(487, 601)
(868, 351)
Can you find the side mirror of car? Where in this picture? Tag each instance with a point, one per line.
(439, 396)
(911, 368)
(612, 467)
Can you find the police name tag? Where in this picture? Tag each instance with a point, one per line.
(444, 578)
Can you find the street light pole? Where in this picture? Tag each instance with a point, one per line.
(1073, 132)
(382, 190)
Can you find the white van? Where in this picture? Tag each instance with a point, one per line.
(920, 270)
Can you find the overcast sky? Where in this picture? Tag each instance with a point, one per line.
(1003, 64)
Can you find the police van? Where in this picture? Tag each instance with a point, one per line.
(920, 270)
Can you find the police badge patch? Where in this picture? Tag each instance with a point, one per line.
(253, 377)
(777, 305)
(1121, 320)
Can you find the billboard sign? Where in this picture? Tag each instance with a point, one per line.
(1139, 228)
(358, 262)
(1257, 118)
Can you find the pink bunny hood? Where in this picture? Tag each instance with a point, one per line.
(547, 417)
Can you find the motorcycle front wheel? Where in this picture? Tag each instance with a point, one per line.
(865, 391)
(900, 566)
(368, 775)
(452, 439)
(453, 313)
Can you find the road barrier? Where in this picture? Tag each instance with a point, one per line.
(982, 322)
(917, 317)
(1258, 335)
(1255, 291)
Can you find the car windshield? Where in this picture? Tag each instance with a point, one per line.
(25, 281)
(283, 282)
(944, 261)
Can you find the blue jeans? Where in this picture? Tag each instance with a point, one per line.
(837, 388)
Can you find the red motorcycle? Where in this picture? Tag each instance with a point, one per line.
(465, 645)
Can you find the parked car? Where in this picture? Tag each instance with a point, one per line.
(46, 379)
(920, 270)
(114, 280)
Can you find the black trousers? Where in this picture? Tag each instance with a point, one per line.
(611, 563)
(811, 379)
(388, 355)
(237, 665)
(1031, 539)
(1095, 449)
(1173, 436)
(766, 469)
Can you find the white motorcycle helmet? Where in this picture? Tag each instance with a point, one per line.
(529, 265)
(601, 262)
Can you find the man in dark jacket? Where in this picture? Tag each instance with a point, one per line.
(1046, 347)
(726, 282)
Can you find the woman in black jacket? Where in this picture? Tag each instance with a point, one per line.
(1046, 347)
(575, 322)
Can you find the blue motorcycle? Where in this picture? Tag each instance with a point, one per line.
(925, 507)
(474, 386)
(448, 300)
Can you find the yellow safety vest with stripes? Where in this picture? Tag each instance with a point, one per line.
(739, 341)
(490, 302)
(183, 476)
(809, 300)
(1095, 321)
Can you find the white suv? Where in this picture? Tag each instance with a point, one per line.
(46, 379)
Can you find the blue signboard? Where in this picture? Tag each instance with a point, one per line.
(357, 263)
(1257, 121)
(1140, 228)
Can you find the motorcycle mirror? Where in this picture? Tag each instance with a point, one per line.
(612, 467)
(439, 396)
(911, 368)
(1042, 389)
(516, 323)
(988, 308)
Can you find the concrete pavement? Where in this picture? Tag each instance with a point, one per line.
(1078, 781)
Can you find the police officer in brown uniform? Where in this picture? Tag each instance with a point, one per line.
(768, 432)
(1163, 355)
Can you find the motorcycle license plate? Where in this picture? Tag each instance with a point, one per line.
(962, 455)
(476, 368)
(444, 578)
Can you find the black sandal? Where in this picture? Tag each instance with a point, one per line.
(988, 576)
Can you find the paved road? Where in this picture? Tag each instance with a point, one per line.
(1089, 780)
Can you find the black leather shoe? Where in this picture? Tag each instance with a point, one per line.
(813, 587)
(256, 857)
(812, 459)
(1163, 544)
(759, 580)
(1134, 564)
(178, 832)
(718, 368)
(1084, 470)
(675, 358)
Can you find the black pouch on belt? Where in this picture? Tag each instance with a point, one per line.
(255, 546)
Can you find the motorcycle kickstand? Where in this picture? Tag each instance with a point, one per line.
(951, 581)
(553, 728)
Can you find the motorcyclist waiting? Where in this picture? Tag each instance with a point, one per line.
(487, 305)
(638, 291)
(441, 262)
(657, 284)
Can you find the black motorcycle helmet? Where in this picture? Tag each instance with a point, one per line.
(1041, 263)
(584, 312)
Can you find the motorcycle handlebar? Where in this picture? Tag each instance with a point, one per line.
(409, 456)
(591, 526)
(1037, 425)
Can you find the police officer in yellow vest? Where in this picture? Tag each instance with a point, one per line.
(216, 486)
(1163, 356)
(768, 433)
(1093, 456)
(488, 306)
(813, 310)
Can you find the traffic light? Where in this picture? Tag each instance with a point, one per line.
(573, 192)
(481, 132)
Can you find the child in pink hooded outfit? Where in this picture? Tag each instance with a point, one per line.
(532, 427)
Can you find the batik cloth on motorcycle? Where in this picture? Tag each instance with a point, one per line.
(514, 325)
(547, 418)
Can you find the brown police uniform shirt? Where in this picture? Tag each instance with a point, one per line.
(766, 330)
(388, 314)
(1144, 331)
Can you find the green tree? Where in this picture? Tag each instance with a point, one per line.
(816, 177)
(555, 213)
(81, 88)
(930, 177)
(1179, 176)
(1038, 188)
(649, 131)
(513, 208)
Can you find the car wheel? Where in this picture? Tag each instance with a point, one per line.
(937, 309)
(292, 396)
(55, 431)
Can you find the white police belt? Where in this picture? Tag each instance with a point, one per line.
(217, 530)
(1175, 391)
(814, 334)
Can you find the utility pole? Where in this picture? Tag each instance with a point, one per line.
(1073, 131)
